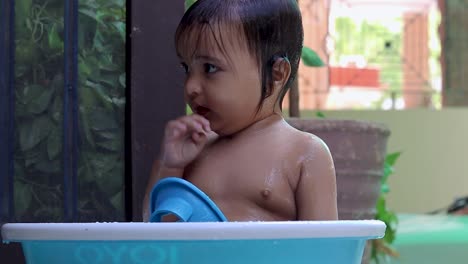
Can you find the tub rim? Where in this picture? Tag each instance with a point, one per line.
(351, 229)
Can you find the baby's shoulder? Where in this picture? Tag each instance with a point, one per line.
(307, 144)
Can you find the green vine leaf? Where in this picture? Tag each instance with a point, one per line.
(47, 166)
(120, 26)
(311, 58)
(22, 196)
(117, 200)
(101, 93)
(389, 162)
(23, 8)
(41, 102)
(189, 3)
(119, 3)
(107, 63)
(99, 41)
(122, 79)
(83, 68)
(102, 120)
(109, 184)
(320, 114)
(55, 43)
(91, 13)
(111, 80)
(30, 93)
(382, 249)
(109, 135)
(111, 145)
(86, 128)
(33, 132)
(102, 164)
(57, 110)
(32, 156)
(54, 143)
(392, 158)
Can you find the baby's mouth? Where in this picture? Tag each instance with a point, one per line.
(201, 110)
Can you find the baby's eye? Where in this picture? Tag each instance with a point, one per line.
(210, 68)
(185, 67)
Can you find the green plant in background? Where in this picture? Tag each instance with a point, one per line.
(102, 105)
(381, 249)
(188, 3)
(39, 85)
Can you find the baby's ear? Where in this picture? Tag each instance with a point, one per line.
(280, 72)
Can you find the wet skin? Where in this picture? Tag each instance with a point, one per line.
(250, 162)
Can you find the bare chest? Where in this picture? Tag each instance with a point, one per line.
(247, 178)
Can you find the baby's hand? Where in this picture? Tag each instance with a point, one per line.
(184, 139)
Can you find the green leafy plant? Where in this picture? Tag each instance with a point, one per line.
(382, 249)
(39, 84)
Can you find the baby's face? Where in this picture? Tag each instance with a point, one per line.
(223, 85)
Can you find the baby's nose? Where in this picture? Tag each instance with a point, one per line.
(192, 87)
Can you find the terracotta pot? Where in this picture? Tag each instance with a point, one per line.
(358, 149)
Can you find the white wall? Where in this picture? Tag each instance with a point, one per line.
(433, 169)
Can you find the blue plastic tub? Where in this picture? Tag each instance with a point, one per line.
(333, 242)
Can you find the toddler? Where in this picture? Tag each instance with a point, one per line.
(240, 57)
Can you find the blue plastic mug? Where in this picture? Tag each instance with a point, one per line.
(183, 199)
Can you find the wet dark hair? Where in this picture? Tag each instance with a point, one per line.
(272, 30)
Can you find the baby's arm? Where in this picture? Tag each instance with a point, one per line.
(183, 140)
(316, 197)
